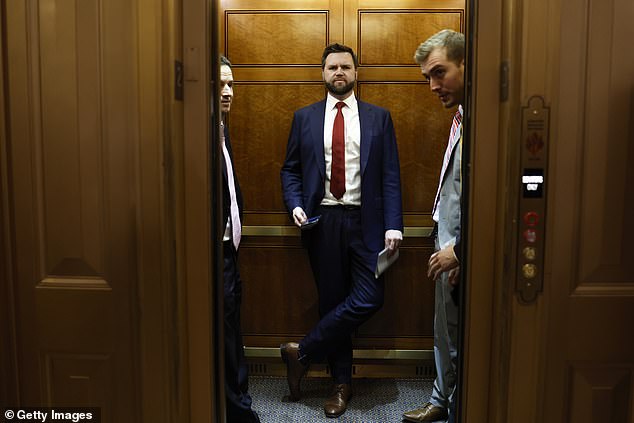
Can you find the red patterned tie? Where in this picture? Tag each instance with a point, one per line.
(337, 168)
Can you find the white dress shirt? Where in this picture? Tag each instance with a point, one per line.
(352, 138)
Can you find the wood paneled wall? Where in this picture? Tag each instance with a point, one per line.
(276, 53)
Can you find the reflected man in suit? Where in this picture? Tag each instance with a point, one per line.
(441, 59)
(238, 400)
(341, 164)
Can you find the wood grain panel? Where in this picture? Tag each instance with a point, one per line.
(278, 300)
(408, 4)
(85, 236)
(260, 122)
(78, 380)
(599, 394)
(588, 288)
(607, 191)
(262, 38)
(71, 189)
(422, 127)
(275, 74)
(409, 298)
(391, 74)
(379, 43)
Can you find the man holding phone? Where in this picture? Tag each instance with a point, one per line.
(342, 165)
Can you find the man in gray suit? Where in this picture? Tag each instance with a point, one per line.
(441, 59)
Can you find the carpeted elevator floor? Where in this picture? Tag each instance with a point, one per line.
(373, 401)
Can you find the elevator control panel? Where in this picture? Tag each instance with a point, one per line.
(532, 201)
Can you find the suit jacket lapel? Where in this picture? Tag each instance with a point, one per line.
(365, 122)
(452, 146)
(317, 118)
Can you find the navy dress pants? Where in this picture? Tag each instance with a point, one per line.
(236, 376)
(348, 292)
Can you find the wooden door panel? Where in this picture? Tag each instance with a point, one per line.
(599, 394)
(589, 285)
(83, 206)
(70, 189)
(79, 379)
(276, 50)
(73, 265)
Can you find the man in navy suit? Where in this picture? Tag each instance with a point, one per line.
(238, 400)
(341, 164)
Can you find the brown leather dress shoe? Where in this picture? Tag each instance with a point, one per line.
(427, 413)
(337, 403)
(295, 369)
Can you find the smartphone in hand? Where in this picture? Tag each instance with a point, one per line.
(310, 222)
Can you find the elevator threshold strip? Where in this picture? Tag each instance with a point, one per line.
(367, 364)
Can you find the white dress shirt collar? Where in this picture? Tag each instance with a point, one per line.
(331, 101)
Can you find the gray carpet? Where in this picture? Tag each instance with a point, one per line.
(373, 400)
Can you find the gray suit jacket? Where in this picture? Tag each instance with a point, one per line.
(449, 201)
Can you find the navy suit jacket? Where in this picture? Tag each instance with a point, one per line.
(304, 171)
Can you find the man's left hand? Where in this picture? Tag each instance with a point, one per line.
(442, 261)
(393, 240)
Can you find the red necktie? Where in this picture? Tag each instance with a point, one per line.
(337, 167)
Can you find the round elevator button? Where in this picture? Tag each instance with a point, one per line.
(531, 218)
(529, 271)
(529, 253)
(530, 235)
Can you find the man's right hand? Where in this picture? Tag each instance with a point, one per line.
(299, 216)
(441, 261)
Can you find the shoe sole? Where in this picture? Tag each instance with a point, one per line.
(334, 416)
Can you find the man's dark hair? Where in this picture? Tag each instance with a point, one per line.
(338, 48)
(224, 61)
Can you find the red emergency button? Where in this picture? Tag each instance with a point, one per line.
(531, 218)
(530, 235)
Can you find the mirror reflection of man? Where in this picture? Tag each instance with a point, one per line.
(342, 164)
(441, 59)
(238, 400)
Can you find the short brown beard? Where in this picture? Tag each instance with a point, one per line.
(339, 91)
